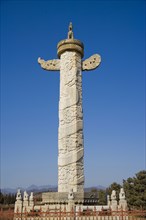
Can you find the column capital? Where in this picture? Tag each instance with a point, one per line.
(70, 45)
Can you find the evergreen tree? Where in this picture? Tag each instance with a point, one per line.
(102, 200)
(1, 198)
(7, 199)
(135, 189)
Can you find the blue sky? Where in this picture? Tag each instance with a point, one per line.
(113, 94)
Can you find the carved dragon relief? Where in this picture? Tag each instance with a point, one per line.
(70, 100)
(70, 157)
(88, 64)
(71, 129)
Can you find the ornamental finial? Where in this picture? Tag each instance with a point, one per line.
(70, 32)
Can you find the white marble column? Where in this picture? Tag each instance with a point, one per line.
(70, 134)
(70, 140)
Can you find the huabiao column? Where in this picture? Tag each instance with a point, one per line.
(70, 133)
(70, 140)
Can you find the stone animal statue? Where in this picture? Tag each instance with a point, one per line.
(70, 32)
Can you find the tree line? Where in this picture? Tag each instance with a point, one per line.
(134, 187)
(7, 199)
(135, 191)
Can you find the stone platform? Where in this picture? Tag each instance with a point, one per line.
(85, 198)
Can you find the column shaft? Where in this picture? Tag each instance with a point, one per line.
(70, 140)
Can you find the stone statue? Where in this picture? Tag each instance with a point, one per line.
(113, 195)
(18, 196)
(122, 194)
(25, 202)
(70, 32)
(71, 194)
(122, 201)
(18, 203)
(108, 200)
(31, 200)
(25, 196)
(114, 204)
(31, 196)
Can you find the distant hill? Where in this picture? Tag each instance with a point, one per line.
(44, 188)
(88, 189)
(32, 188)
